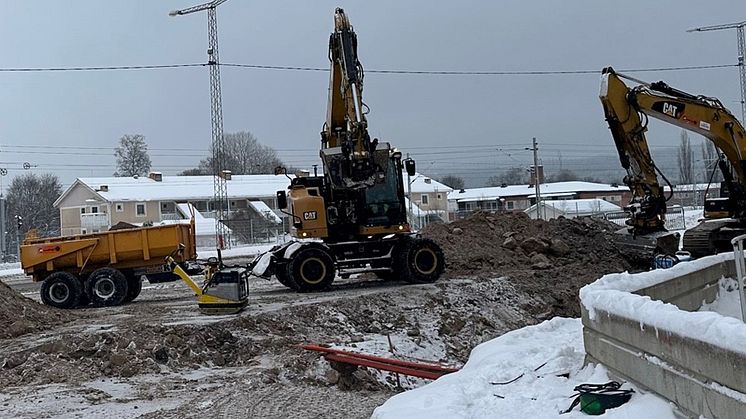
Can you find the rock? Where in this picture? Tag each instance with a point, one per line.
(457, 231)
(51, 347)
(218, 359)
(118, 360)
(533, 244)
(510, 243)
(332, 376)
(15, 360)
(161, 355)
(509, 234)
(20, 327)
(558, 247)
(413, 331)
(128, 371)
(540, 261)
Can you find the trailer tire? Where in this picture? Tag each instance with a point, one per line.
(61, 290)
(134, 286)
(419, 261)
(311, 269)
(107, 287)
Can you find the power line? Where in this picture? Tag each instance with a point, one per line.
(374, 71)
(98, 68)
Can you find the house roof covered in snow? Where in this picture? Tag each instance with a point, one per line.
(579, 206)
(143, 188)
(425, 184)
(547, 189)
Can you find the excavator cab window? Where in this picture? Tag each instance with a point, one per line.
(383, 206)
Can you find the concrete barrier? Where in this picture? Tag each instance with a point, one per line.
(643, 327)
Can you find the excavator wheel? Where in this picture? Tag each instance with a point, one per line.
(61, 290)
(134, 287)
(311, 269)
(107, 287)
(281, 273)
(419, 260)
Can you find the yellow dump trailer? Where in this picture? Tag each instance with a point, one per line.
(105, 268)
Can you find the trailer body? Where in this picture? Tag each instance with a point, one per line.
(93, 265)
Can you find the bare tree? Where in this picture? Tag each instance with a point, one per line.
(564, 175)
(685, 160)
(243, 155)
(512, 176)
(132, 156)
(454, 182)
(710, 162)
(31, 197)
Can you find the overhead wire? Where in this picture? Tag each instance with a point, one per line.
(374, 71)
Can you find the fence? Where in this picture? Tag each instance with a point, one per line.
(675, 218)
(256, 230)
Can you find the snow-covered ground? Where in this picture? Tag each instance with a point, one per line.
(10, 269)
(547, 358)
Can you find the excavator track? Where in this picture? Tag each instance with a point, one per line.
(711, 237)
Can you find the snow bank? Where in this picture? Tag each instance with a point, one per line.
(613, 294)
(10, 269)
(538, 354)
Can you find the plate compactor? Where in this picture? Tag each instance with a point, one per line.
(225, 290)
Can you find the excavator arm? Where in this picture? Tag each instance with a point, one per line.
(626, 110)
(346, 148)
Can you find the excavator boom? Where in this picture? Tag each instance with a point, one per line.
(346, 148)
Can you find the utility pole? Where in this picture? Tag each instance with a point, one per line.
(220, 186)
(409, 192)
(3, 251)
(537, 179)
(741, 53)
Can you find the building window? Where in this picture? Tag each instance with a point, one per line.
(440, 196)
(140, 210)
(423, 199)
(510, 205)
(83, 231)
(120, 207)
(82, 210)
(94, 210)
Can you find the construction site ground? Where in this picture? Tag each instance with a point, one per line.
(158, 357)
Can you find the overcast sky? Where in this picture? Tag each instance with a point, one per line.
(429, 116)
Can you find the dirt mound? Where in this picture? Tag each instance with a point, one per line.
(550, 260)
(20, 315)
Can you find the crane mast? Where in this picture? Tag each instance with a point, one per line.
(220, 187)
(741, 54)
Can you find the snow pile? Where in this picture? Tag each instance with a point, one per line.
(547, 357)
(613, 294)
(728, 301)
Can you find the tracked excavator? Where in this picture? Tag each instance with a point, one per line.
(627, 110)
(352, 218)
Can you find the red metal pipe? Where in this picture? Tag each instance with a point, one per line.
(414, 372)
(389, 361)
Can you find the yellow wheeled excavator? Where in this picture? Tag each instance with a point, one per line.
(626, 110)
(353, 217)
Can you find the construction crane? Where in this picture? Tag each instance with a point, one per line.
(741, 53)
(216, 111)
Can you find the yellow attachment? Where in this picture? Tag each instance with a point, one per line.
(184, 276)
